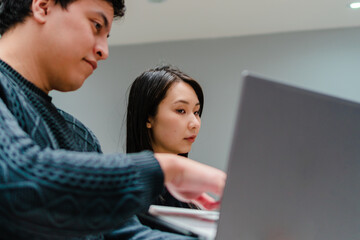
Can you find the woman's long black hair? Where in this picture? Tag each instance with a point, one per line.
(146, 93)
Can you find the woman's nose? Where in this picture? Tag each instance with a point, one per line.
(195, 122)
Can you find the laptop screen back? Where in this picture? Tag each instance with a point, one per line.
(294, 168)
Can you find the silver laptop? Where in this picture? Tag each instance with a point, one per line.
(294, 170)
(294, 167)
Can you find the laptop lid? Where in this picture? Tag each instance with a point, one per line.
(294, 168)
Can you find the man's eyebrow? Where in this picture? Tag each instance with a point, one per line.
(106, 21)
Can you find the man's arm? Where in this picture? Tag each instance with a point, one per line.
(213, 179)
(70, 193)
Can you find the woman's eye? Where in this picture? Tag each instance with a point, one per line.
(180, 110)
(197, 113)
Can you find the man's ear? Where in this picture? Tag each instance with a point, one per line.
(40, 9)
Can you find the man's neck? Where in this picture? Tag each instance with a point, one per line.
(20, 53)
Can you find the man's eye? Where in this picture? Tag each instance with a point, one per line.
(98, 26)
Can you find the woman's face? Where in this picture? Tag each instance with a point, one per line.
(177, 122)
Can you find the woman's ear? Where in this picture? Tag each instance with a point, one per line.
(148, 122)
(40, 9)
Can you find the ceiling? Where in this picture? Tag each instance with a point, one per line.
(146, 22)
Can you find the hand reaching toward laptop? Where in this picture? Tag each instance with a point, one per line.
(189, 181)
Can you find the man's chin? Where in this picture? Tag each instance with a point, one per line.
(69, 87)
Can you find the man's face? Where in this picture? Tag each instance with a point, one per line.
(75, 40)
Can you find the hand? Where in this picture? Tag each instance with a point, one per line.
(188, 180)
(204, 201)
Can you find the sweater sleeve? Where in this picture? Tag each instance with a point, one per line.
(70, 193)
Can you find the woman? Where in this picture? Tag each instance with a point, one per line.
(163, 115)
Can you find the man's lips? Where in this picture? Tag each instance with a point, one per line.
(92, 63)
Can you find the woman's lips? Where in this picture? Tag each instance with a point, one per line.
(191, 139)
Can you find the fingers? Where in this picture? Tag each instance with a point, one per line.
(204, 201)
(188, 180)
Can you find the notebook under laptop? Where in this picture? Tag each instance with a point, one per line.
(294, 167)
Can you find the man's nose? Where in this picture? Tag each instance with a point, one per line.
(102, 49)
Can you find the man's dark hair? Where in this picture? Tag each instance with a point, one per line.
(13, 12)
(146, 93)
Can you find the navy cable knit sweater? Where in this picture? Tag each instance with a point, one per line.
(54, 181)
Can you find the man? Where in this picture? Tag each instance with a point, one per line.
(54, 181)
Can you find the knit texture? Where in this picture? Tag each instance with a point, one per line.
(49, 187)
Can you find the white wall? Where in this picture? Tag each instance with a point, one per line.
(325, 61)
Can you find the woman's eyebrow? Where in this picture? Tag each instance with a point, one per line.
(185, 102)
(181, 101)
